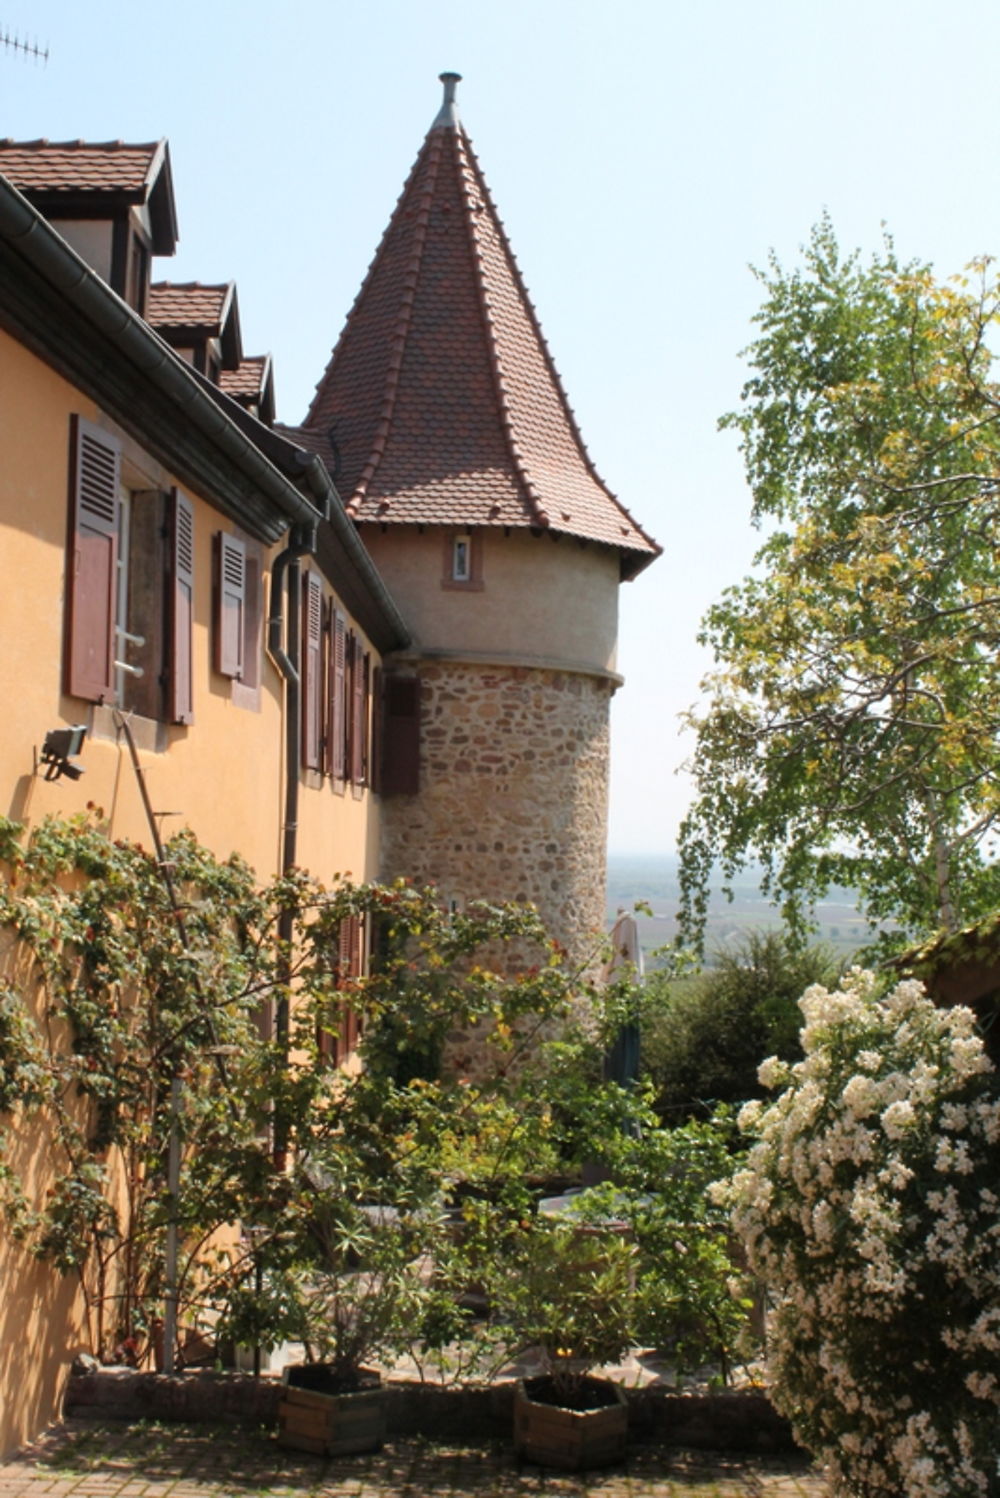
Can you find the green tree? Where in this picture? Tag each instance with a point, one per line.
(705, 1036)
(852, 727)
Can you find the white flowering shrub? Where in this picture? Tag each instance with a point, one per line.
(870, 1208)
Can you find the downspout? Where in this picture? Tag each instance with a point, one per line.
(284, 647)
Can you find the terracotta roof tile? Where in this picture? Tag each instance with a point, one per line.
(188, 305)
(79, 166)
(247, 381)
(441, 404)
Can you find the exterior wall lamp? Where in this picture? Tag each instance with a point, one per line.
(59, 749)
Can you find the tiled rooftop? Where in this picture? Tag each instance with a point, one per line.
(246, 382)
(441, 404)
(79, 166)
(188, 305)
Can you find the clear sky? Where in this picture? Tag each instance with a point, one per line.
(641, 155)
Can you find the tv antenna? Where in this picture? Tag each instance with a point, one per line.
(30, 51)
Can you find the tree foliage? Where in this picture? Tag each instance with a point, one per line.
(314, 1197)
(852, 728)
(705, 1036)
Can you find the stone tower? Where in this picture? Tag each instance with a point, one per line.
(452, 445)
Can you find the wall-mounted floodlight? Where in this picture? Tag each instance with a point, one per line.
(59, 749)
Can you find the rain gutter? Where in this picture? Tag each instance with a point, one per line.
(61, 268)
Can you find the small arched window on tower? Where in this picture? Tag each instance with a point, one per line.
(463, 560)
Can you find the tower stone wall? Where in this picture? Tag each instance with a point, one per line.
(454, 449)
(513, 794)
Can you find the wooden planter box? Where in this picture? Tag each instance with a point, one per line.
(571, 1439)
(331, 1424)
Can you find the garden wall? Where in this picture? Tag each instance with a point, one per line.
(731, 1420)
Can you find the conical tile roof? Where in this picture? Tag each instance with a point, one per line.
(441, 404)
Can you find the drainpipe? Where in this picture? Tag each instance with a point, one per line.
(284, 645)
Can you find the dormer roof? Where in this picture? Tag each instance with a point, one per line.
(186, 313)
(441, 404)
(62, 177)
(252, 385)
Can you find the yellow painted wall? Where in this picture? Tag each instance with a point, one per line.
(541, 597)
(222, 776)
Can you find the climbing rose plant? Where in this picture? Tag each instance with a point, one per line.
(869, 1207)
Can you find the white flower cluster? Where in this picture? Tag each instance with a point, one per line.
(869, 1208)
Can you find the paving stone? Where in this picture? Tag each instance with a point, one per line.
(81, 1459)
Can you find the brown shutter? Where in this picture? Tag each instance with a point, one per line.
(351, 964)
(375, 748)
(337, 704)
(327, 693)
(95, 465)
(357, 713)
(401, 736)
(360, 964)
(348, 703)
(180, 602)
(366, 702)
(312, 667)
(253, 606)
(230, 605)
(344, 947)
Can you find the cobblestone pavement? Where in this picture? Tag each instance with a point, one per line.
(81, 1459)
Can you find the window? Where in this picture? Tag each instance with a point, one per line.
(463, 561)
(130, 585)
(138, 275)
(229, 596)
(346, 711)
(237, 614)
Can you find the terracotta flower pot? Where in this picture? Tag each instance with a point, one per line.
(553, 1435)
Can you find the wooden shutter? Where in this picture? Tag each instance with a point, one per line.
(401, 736)
(312, 667)
(326, 746)
(375, 747)
(366, 702)
(230, 605)
(253, 614)
(335, 704)
(358, 702)
(95, 468)
(350, 964)
(349, 668)
(180, 607)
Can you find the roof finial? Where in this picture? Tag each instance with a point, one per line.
(448, 113)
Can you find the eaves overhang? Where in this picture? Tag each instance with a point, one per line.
(53, 302)
(341, 553)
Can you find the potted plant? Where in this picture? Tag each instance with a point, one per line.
(356, 1285)
(568, 1289)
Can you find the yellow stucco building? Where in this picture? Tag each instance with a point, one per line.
(379, 644)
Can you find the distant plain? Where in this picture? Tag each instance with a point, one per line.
(654, 880)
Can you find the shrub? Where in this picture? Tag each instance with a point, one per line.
(705, 1036)
(870, 1209)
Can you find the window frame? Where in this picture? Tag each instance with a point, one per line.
(468, 577)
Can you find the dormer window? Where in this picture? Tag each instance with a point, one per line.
(138, 275)
(113, 202)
